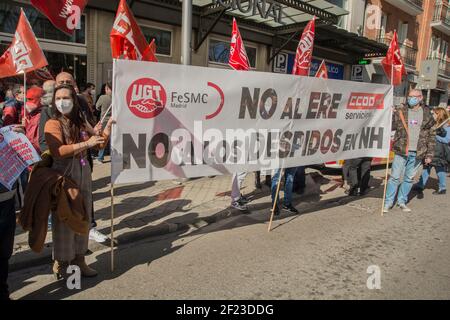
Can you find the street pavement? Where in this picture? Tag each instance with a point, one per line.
(322, 253)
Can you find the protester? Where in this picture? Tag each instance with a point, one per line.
(357, 175)
(238, 201)
(12, 109)
(47, 111)
(103, 104)
(7, 231)
(69, 137)
(268, 180)
(289, 174)
(414, 143)
(67, 78)
(89, 94)
(299, 180)
(440, 158)
(33, 116)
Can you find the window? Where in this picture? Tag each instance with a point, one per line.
(219, 52)
(444, 49)
(42, 27)
(342, 20)
(74, 64)
(163, 39)
(402, 32)
(435, 47)
(383, 25)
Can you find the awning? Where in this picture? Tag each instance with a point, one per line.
(210, 16)
(293, 11)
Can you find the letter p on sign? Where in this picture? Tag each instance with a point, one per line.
(280, 63)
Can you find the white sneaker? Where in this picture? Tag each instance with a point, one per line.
(385, 209)
(404, 207)
(96, 236)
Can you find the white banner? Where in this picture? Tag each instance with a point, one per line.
(182, 121)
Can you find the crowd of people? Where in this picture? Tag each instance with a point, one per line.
(71, 128)
(68, 128)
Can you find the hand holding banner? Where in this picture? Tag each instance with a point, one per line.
(16, 153)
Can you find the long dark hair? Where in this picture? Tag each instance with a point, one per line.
(74, 121)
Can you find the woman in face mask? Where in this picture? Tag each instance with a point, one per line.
(439, 161)
(69, 136)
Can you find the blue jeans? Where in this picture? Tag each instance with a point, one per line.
(402, 168)
(101, 155)
(442, 176)
(289, 174)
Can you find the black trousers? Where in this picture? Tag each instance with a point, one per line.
(358, 173)
(7, 230)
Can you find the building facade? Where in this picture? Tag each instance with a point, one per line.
(423, 28)
(347, 31)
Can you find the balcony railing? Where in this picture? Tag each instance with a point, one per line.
(444, 65)
(418, 3)
(409, 54)
(441, 13)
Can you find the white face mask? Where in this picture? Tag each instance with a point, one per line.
(64, 106)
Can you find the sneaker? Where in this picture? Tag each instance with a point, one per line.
(239, 206)
(290, 208)
(440, 192)
(385, 209)
(404, 207)
(96, 236)
(243, 200)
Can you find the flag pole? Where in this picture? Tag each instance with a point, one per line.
(112, 226)
(275, 200)
(389, 149)
(24, 119)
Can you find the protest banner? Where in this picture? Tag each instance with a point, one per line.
(16, 153)
(183, 121)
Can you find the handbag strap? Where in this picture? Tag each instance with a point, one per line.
(402, 118)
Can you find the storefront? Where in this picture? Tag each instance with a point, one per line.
(270, 29)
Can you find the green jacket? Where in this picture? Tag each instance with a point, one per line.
(427, 141)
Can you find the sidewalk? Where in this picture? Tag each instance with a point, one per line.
(157, 208)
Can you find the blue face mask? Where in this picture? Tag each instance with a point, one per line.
(413, 101)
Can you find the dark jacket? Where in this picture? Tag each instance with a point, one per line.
(427, 141)
(46, 114)
(442, 147)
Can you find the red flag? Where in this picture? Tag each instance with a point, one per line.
(238, 57)
(24, 53)
(63, 14)
(303, 56)
(127, 40)
(393, 62)
(151, 51)
(322, 72)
